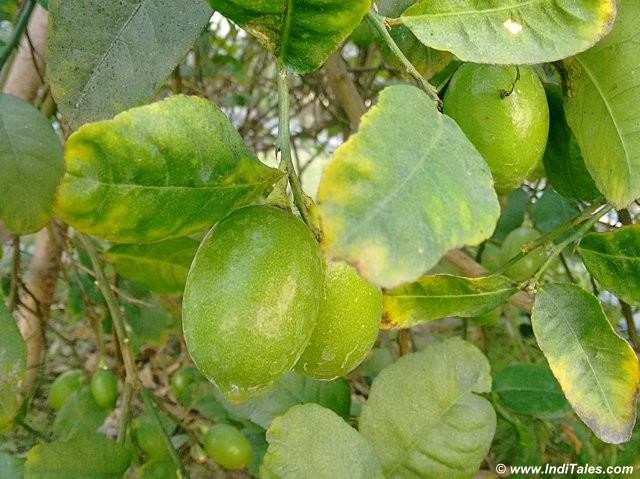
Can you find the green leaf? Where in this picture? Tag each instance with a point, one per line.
(13, 366)
(614, 260)
(530, 389)
(405, 189)
(8, 10)
(514, 207)
(562, 159)
(597, 370)
(312, 442)
(191, 169)
(423, 418)
(11, 467)
(160, 267)
(604, 85)
(103, 60)
(443, 295)
(510, 32)
(553, 210)
(89, 455)
(294, 389)
(30, 165)
(79, 414)
(301, 34)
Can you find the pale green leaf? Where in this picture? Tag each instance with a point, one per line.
(311, 442)
(88, 456)
(79, 414)
(11, 467)
(105, 58)
(158, 172)
(614, 260)
(604, 91)
(510, 32)
(530, 389)
(13, 366)
(30, 165)
(443, 295)
(160, 267)
(301, 34)
(597, 369)
(422, 416)
(294, 389)
(405, 189)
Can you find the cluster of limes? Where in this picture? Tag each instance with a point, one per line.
(103, 385)
(261, 301)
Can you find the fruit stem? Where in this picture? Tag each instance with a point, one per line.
(557, 249)
(379, 24)
(21, 24)
(124, 412)
(148, 402)
(283, 146)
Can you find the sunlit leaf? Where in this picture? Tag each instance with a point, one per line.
(604, 88)
(597, 369)
(106, 58)
(88, 455)
(530, 389)
(301, 34)
(614, 260)
(405, 189)
(158, 172)
(442, 295)
(510, 31)
(30, 165)
(160, 267)
(311, 442)
(13, 366)
(423, 417)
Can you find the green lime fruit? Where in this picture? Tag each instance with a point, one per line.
(227, 446)
(64, 385)
(104, 388)
(148, 435)
(348, 323)
(513, 244)
(251, 299)
(185, 382)
(504, 114)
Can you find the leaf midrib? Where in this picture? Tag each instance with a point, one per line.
(170, 187)
(478, 12)
(453, 296)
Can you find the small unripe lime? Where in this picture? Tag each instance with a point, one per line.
(506, 117)
(251, 299)
(227, 446)
(185, 382)
(513, 244)
(104, 388)
(348, 324)
(64, 385)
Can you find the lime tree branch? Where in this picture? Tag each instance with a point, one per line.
(21, 24)
(284, 146)
(377, 23)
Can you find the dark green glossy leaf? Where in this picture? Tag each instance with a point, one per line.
(510, 32)
(191, 169)
(85, 456)
(301, 34)
(553, 210)
(597, 369)
(79, 414)
(311, 442)
(604, 88)
(530, 389)
(443, 295)
(562, 159)
(423, 417)
(514, 207)
(30, 165)
(291, 390)
(106, 58)
(160, 267)
(13, 366)
(614, 260)
(405, 189)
